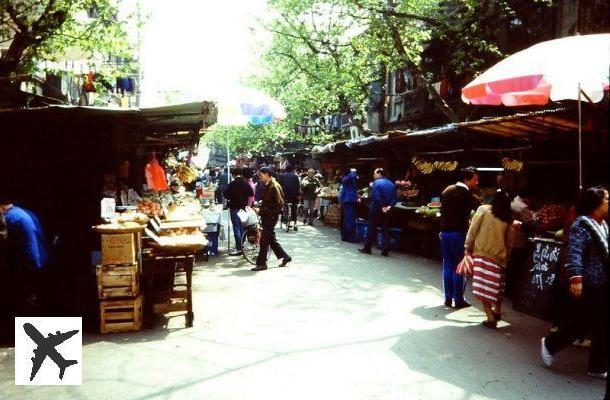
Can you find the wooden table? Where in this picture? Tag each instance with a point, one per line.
(167, 281)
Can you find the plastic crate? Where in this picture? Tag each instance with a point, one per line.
(394, 239)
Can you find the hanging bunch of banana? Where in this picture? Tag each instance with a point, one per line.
(510, 164)
(446, 166)
(425, 167)
(185, 173)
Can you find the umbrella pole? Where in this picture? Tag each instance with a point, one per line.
(229, 233)
(579, 139)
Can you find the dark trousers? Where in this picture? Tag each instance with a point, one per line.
(268, 239)
(591, 313)
(293, 204)
(238, 229)
(452, 247)
(378, 219)
(348, 222)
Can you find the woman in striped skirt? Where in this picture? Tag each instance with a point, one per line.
(488, 243)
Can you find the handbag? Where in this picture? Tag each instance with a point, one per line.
(464, 268)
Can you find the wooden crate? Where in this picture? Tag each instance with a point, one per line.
(117, 281)
(121, 315)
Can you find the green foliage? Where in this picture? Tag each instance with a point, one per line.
(48, 29)
(250, 139)
(324, 52)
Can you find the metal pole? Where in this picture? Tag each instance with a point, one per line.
(579, 139)
(228, 181)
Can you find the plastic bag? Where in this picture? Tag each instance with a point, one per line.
(155, 176)
(464, 268)
(247, 216)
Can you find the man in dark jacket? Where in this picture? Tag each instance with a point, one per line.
(271, 207)
(383, 198)
(457, 202)
(237, 194)
(292, 189)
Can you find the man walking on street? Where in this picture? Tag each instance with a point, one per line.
(457, 202)
(237, 194)
(310, 186)
(383, 198)
(292, 188)
(271, 207)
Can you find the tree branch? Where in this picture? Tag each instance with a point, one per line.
(23, 28)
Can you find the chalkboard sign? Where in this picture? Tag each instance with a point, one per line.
(535, 285)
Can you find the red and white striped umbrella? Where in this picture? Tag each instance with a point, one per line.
(548, 71)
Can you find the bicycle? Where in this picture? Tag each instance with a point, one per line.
(250, 242)
(285, 218)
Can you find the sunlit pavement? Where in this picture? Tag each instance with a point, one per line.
(334, 324)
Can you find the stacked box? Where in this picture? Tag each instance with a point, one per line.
(118, 283)
(121, 315)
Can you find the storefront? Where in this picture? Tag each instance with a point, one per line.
(533, 155)
(63, 161)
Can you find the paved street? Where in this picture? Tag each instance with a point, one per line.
(333, 325)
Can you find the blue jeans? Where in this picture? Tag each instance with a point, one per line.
(452, 247)
(238, 229)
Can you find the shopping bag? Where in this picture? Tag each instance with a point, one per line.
(243, 217)
(155, 176)
(248, 216)
(464, 268)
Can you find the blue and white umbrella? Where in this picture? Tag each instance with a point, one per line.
(243, 105)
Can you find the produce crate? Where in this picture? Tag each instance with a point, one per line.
(121, 315)
(117, 281)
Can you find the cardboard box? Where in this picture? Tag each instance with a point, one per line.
(119, 249)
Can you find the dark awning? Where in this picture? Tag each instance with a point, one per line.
(171, 124)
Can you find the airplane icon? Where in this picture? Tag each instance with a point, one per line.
(46, 347)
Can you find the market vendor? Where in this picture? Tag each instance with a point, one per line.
(27, 255)
(348, 199)
(176, 187)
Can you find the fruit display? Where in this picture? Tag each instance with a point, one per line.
(427, 167)
(445, 166)
(423, 166)
(406, 189)
(150, 208)
(186, 174)
(183, 210)
(179, 231)
(116, 227)
(510, 164)
(133, 216)
(429, 212)
(550, 217)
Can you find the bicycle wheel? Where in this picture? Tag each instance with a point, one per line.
(250, 245)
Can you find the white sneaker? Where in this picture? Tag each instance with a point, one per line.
(547, 358)
(598, 375)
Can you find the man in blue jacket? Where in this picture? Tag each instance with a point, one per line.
(348, 198)
(383, 198)
(27, 254)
